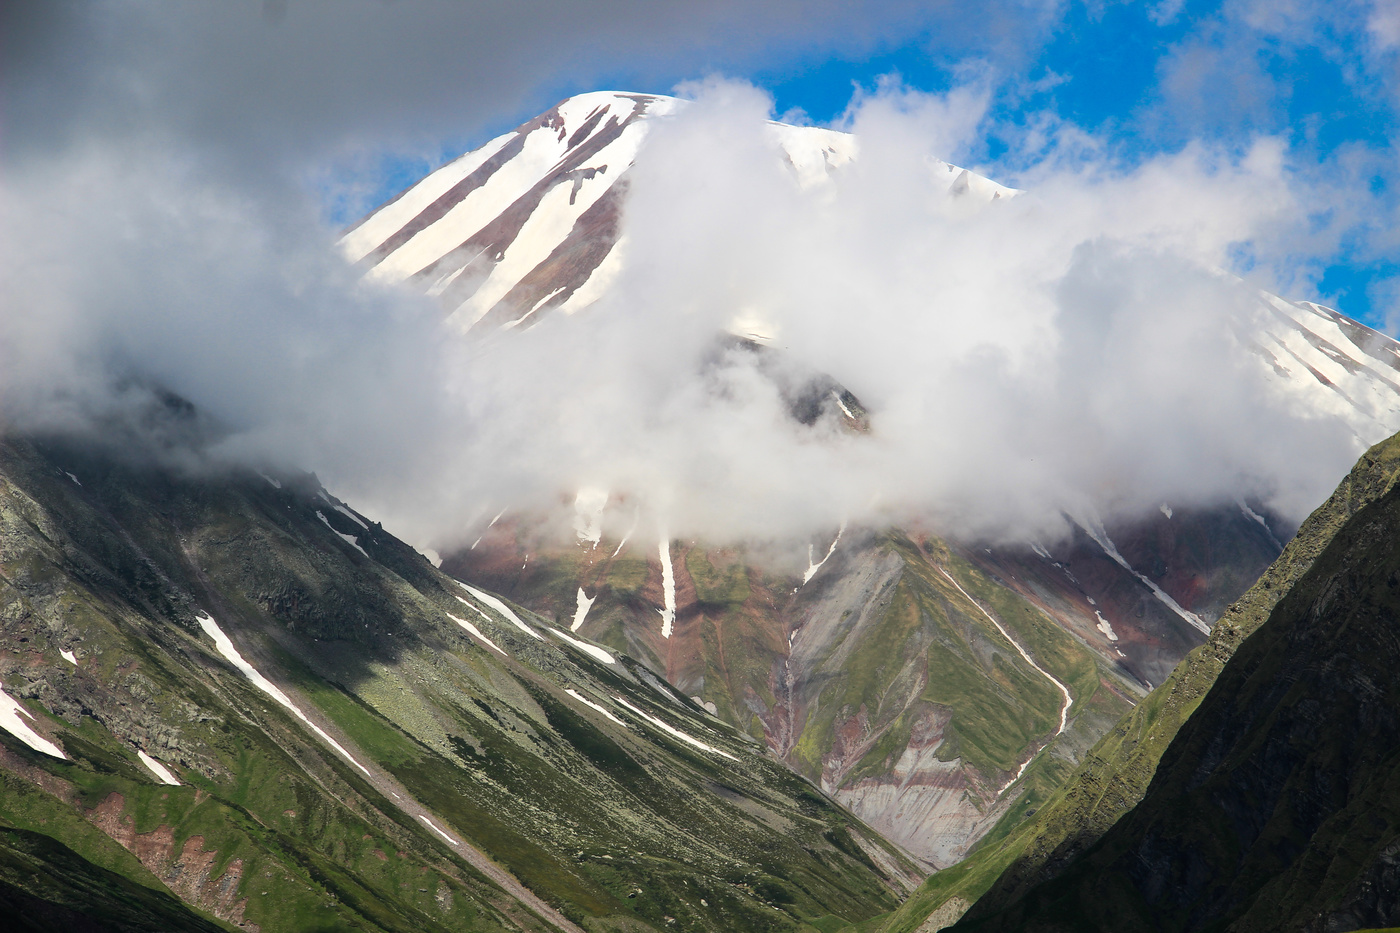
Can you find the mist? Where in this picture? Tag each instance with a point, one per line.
(1079, 347)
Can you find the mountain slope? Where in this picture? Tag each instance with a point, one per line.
(890, 675)
(1273, 806)
(1116, 773)
(534, 222)
(359, 741)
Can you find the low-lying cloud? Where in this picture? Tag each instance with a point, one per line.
(1082, 345)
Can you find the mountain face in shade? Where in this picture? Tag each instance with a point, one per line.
(841, 668)
(1274, 805)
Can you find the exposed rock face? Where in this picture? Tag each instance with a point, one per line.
(876, 676)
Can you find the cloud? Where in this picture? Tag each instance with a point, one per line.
(1069, 347)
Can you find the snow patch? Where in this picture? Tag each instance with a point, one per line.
(581, 609)
(1166, 510)
(590, 650)
(813, 568)
(476, 632)
(1250, 513)
(1104, 626)
(70, 657)
(668, 588)
(848, 413)
(10, 712)
(230, 653)
(73, 478)
(591, 705)
(588, 515)
(434, 827)
(671, 730)
(1096, 531)
(351, 540)
(500, 607)
(351, 515)
(161, 772)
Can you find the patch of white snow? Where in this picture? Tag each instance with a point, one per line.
(671, 730)
(668, 588)
(73, 478)
(230, 653)
(502, 608)
(70, 657)
(590, 704)
(161, 772)
(476, 632)
(434, 827)
(351, 515)
(351, 540)
(1250, 513)
(581, 608)
(590, 650)
(1166, 510)
(10, 712)
(813, 568)
(1105, 627)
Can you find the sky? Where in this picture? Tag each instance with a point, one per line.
(174, 175)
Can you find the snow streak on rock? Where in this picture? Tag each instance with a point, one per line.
(672, 730)
(812, 568)
(70, 657)
(1064, 691)
(10, 721)
(161, 772)
(230, 653)
(351, 540)
(502, 608)
(1094, 529)
(668, 588)
(474, 631)
(592, 651)
(594, 706)
(581, 607)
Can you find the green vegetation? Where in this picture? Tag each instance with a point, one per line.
(1115, 774)
(615, 827)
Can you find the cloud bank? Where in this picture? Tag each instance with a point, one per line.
(1076, 346)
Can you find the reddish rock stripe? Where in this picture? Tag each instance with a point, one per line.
(484, 249)
(569, 265)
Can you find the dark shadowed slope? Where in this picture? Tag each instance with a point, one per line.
(1116, 773)
(1277, 804)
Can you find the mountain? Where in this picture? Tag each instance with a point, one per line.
(1115, 774)
(228, 700)
(843, 666)
(1272, 806)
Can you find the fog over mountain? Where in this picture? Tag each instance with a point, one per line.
(1077, 345)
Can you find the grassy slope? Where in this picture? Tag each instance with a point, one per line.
(1116, 773)
(618, 828)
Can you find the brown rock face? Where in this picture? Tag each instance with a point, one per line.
(189, 873)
